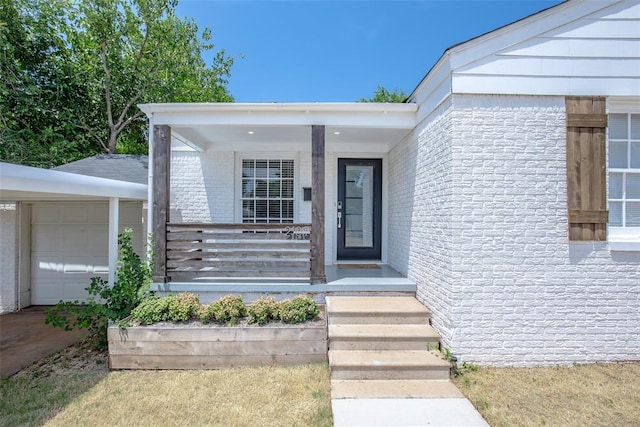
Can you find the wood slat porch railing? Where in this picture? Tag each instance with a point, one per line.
(199, 250)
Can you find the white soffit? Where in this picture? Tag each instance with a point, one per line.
(23, 183)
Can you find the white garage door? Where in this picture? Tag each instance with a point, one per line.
(69, 245)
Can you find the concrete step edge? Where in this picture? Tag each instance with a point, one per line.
(385, 359)
(374, 305)
(390, 389)
(360, 332)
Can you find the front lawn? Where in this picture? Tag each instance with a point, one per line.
(62, 394)
(580, 395)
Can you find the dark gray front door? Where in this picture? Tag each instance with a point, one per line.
(359, 209)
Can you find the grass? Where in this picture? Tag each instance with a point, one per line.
(265, 396)
(579, 395)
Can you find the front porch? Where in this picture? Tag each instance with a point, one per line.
(267, 199)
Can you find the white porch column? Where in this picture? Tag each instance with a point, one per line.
(114, 208)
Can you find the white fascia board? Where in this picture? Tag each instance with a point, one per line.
(377, 115)
(18, 179)
(434, 89)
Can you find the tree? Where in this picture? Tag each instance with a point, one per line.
(140, 51)
(384, 95)
(41, 90)
(72, 72)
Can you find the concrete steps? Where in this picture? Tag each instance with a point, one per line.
(378, 349)
(387, 365)
(376, 310)
(375, 337)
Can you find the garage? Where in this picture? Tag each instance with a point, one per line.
(68, 247)
(60, 229)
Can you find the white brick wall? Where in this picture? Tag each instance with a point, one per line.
(202, 186)
(8, 257)
(495, 258)
(420, 211)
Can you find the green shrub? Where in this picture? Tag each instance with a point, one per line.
(227, 309)
(297, 310)
(151, 310)
(262, 311)
(183, 307)
(131, 287)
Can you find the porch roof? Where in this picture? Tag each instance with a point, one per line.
(211, 125)
(25, 183)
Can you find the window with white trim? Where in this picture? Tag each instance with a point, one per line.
(267, 190)
(624, 170)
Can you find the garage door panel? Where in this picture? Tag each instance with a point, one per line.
(44, 237)
(74, 239)
(67, 254)
(98, 214)
(45, 214)
(73, 213)
(130, 213)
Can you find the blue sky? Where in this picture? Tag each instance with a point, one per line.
(340, 51)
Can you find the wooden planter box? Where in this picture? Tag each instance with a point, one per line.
(196, 346)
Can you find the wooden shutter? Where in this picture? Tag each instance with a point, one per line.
(586, 168)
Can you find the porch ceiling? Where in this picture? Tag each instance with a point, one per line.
(239, 137)
(219, 125)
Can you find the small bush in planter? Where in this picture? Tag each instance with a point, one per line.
(227, 309)
(262, 311)
(151, 310)
(297, 310)
(183, 307)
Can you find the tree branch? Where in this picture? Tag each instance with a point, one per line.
(107, 83)
(93, 134)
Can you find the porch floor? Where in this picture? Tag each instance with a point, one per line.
(340, 281)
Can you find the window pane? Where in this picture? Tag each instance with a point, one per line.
(615, 214)
(633, 186)
(247, 168)
(274, 188)
(618, 154)
(287, 209)
(617, 126)
(287, 188)
(274, 210)
(287, 169)
(261, 168)
(261, 189)
(635, 126)
(615, 186)
(247, 209)
(635, 154)
(633, 214)
(248, 188)
(261, 209)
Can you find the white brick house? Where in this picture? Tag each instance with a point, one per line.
(516, 217)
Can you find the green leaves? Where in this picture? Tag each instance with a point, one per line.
(383, 94)
(73, 72)
(133, 276)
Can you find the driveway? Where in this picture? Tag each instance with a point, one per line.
(24, 339)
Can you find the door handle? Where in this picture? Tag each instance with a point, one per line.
(339, 219)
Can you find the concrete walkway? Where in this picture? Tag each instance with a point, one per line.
(454, 412)
(24, 339)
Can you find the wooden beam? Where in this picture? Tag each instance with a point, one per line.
(161, 177)
(317, 205)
